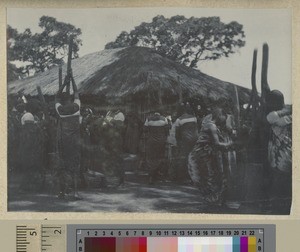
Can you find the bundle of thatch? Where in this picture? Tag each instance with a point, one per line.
(84, 68)
(132, 74)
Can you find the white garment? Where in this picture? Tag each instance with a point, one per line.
(27, 117)
(119, 117)
(57, 105)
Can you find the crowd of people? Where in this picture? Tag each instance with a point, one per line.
(199, 145)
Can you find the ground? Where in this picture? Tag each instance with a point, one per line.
(162, 197)
(136, 195)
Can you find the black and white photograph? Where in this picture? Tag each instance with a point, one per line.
(149, 110)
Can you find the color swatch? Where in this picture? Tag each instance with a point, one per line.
(170, 244)
(133, 244)
(167, 244)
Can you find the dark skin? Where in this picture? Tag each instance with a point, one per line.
(75, 90)
(68, 78)
(76, 94)
(214, 132)
(59, 92)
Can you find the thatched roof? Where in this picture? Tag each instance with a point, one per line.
(133, 71)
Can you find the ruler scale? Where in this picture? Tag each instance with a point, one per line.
(145, 238)
(28, 238)
(53, 238)
(41, 238)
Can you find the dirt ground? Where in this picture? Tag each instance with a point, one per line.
(136, 195)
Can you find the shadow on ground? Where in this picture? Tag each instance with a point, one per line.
(135, 196)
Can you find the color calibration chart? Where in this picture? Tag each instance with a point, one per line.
(171, 238)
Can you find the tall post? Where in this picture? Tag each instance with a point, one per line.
(69, 63)
(236, 107)
(254, 95)
(60, 76)
(159, 95)
(148, 101)
(264, 126)
(44, 104)
(179, 89)
(265, 88)
(253, 73)
(148, 94)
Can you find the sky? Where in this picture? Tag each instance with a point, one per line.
(102, 25)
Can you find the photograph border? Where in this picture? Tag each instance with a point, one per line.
(294, 5)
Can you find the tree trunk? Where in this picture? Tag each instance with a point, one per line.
(196, 59)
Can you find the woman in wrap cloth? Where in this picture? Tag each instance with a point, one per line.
(279, 118)
(205, 162)
(68, 138)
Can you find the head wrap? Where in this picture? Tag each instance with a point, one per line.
(27, 117)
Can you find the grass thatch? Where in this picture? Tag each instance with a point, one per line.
(84, 68)
(134, 72)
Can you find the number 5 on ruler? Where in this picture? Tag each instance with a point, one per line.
(28, 238)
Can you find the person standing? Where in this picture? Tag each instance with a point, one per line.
(86, 157)
(30, 153)
(279, 118)
(186, 133)
(68, 138)
(157, 128)
(133, 131)
(206, 162)
(14, 135)
(113, 146)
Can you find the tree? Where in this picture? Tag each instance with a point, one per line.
(40, 51)
(186, 41)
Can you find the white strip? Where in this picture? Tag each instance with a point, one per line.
(187, 120)
(187, 244)
(65, 116)
(156, 123)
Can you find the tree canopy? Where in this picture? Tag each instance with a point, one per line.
(40, 51)
(187, 41)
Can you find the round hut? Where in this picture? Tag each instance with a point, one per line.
(131, 77)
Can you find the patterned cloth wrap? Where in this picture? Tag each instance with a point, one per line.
(157, 131)
(69, 139)
(205, 164)
(280, 141)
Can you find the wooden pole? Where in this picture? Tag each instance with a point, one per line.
(180, 89)
(70, 53)
(253, 74)
(254, 96)
(159, 96)
(44, 104)
(60, 76)
(69, 64)
(265, 88)
(263, 125)
(148, 101)
(159, 92)
(236, 107)
(148, 94)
